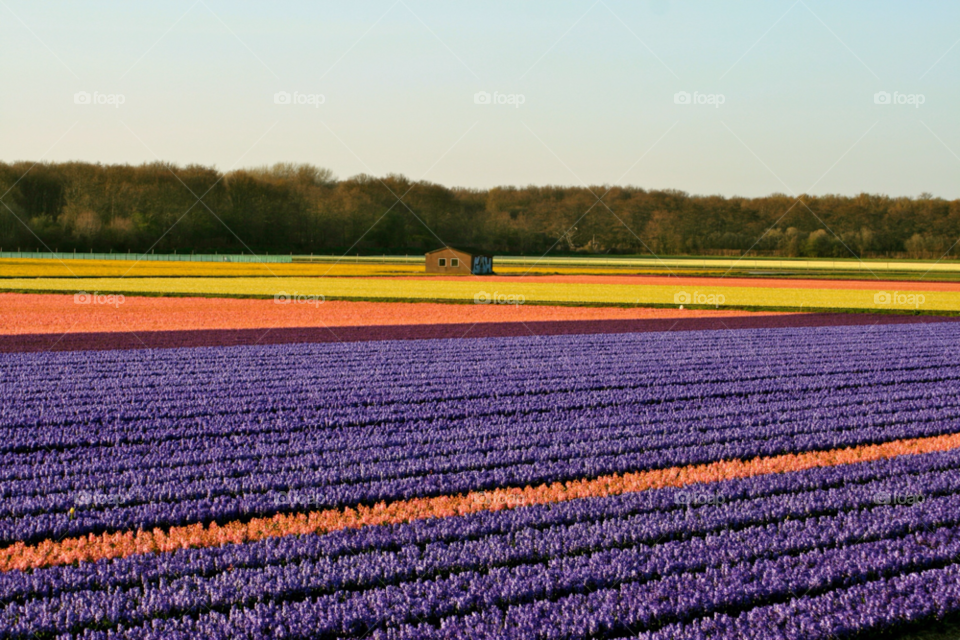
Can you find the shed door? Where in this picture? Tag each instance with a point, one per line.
(482, 265)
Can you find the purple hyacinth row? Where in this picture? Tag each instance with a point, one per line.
(25, 437)
(304, 416)
(880, 396)
(61, 495)
(762, 492)
(586, 428)
(537, 559)
(932, 595)
(635, 607)
(253, 379)
(524, 595)
(381, 443)
(140, 439)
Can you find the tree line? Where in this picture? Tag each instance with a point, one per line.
(303, 209)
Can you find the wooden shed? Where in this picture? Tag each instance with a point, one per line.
(460, 260)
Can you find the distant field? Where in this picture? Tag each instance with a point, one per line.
(59, 314)
(528, 291)
(385, 266)
(847, 267)
(131, 268)
(820, 264)
(49, 268)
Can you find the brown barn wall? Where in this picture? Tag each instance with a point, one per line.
(433, 262)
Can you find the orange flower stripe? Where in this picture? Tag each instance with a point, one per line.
(23, 313)
(90, 548)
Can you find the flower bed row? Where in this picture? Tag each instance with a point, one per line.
(563, 487)
(813, 531)
(268, 442)
(58, 314)
(95, 547)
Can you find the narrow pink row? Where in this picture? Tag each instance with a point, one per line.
(91, 548)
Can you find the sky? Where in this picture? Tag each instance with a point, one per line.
(733, 98)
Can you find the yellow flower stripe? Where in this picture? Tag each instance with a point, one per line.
(469, 288)
(68, 268)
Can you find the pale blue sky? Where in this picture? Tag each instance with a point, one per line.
(597, 79)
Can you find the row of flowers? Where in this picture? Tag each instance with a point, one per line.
(110, 545)
(645, 517)
(243, 453)
(59, 314)
(298, 479)
(621, 572)
(668, 483)
(174, 452)
(645, 360)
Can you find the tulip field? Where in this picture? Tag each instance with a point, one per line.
(770, 482)
(588, 290)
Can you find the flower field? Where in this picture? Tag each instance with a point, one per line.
(58, 314)
(69, 268)
(583, 290)
(792, 482)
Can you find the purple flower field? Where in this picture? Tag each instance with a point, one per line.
(114, 441)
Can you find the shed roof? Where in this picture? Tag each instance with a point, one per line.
(474, 251)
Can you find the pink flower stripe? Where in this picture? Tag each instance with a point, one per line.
(90, 548)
